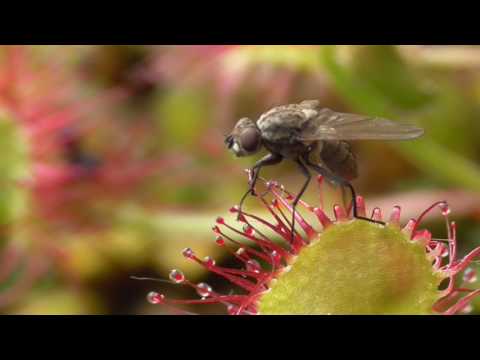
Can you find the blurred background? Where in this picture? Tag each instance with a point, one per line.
(112, 157)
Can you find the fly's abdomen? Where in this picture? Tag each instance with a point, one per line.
(339, 158)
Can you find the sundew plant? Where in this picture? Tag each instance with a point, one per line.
(350, 266)
(115, 167)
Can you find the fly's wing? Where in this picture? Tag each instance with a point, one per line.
(331, 125)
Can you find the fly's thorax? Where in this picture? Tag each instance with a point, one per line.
(281, 126)
(281, 129)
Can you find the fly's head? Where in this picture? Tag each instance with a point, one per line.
(245, 138)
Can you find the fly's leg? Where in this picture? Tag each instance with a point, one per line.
(307, 174)
(270, 159)
(341, 181)
(354, 205)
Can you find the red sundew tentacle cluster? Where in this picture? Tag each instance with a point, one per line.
(276, 257)
(452, 267)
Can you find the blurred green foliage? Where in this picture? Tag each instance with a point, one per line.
(436, 154)
(13, 168)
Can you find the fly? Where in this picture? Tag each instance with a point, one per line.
(314, 138)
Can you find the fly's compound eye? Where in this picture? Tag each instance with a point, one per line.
(250, 139)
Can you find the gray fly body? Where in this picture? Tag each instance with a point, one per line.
(314, 138)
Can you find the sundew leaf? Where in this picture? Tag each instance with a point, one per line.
(356, 268)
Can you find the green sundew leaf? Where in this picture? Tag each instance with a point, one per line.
(356, 268)
(428, 154)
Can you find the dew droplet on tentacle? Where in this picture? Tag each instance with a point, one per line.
(467, 309)
(220, 220)
(444, 251)
(470, 275)
(176, 276)
(444, 208)
(276, 257)
(271, 184)
(155, 298)
(253, 266)
(274, 203)
(188, 253)
(220, 241)
(204, 290)
(209, 261)
(248, 251)
(248, 230)
(232, 309)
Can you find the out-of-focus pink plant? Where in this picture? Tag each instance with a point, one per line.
(57, 118)
(349, 267)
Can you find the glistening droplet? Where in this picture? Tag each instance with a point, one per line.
(155, 298)
(176, 276)
(445, 209)
(204, 290)
(188, 253)
(470, 275)
(248, 230)
(209, 261)
(220, 241)
(253, 266)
